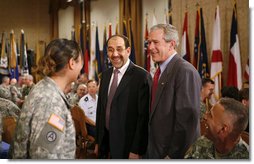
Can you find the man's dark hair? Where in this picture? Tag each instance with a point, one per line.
(244, 94)
(207, 80)
(126, 40)
(231, 92)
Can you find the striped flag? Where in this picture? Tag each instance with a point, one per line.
(234, 66)
(216, 62)
(185, 49)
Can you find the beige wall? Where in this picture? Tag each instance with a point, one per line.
(30, 15)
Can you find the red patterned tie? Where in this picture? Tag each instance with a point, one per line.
(155, 84)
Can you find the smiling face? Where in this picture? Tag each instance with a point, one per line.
(160, 49)
(117, 52)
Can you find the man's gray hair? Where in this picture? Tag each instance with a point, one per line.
(170, 32)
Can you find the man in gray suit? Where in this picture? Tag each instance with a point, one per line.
(175, 110)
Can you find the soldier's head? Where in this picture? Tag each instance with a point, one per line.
(226, 120)
(6, 81)
(62, 58)
(207, 88)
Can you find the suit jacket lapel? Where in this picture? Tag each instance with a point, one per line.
(125, 79)
(165, 76)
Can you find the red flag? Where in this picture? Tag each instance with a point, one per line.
(216, 62)
(234, 66)
(185, 50)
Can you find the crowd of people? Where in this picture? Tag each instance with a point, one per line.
(128, 113)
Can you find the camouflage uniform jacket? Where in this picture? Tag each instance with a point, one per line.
(7, 108)
(5, 92)
(45, 128)
(203, 148)
(203, 109)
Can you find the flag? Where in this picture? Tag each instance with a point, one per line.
(87, 52)
(116, 28)
(97, 55)
(170, 20)
(185, 49)
(247, 71)
(105, 55)
(197, 40)
(81, 43)
(23, 55)
(216, 62)
(109, 30)
(170, 12)
(132, 55)
(13, 56)
(203, 59)
(146, 53)
(234, 65)
(92, 62)
(125, 28)
(4, 57)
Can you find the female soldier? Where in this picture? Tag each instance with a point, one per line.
(45, 128)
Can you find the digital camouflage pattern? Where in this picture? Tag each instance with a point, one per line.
(5, 92)
(7, 108)
(203, 148)
(203, 109)
(36, 136)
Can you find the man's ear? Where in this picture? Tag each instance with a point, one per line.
(224, 131)
(128, 50)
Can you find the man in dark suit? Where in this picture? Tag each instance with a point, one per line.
(122, 117)
(175, 104)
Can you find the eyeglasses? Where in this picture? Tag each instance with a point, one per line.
(112, 50)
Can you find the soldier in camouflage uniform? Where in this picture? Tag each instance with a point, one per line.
(206, 93)
(5, 93)
(224, 124)
(7, 108)
(45, 128)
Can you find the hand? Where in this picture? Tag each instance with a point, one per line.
(134, 156)
(96, 150)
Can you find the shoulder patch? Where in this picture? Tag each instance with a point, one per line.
(57, 122)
